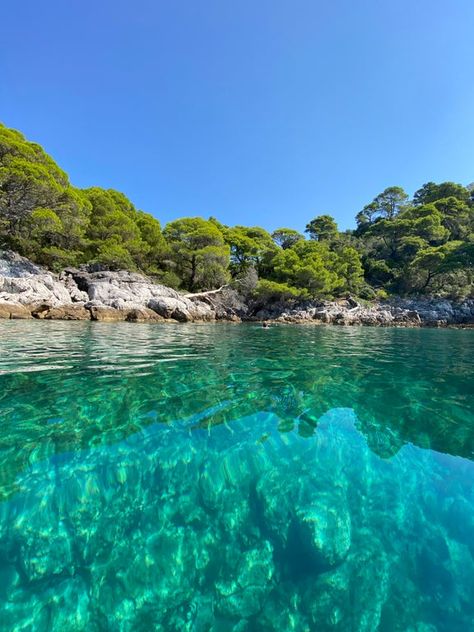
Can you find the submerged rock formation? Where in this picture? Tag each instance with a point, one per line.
(212, 530)
(29, 291)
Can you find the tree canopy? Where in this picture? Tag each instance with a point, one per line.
(400, 246)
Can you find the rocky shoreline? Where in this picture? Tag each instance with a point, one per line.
(29, 291)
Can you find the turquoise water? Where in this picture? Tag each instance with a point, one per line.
(230, 478)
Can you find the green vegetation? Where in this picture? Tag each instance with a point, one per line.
(400, 246)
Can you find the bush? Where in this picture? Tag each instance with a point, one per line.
(170, 279)
(270, 291)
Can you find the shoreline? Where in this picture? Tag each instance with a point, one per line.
(28, 291)
(27, 316)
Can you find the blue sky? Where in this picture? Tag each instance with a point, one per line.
(263, 112)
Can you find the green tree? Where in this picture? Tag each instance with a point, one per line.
(249, 247)
(423, 247)
(314, 267)
(385, 205)
(113, 229)
(348, 267)
(30, 181)
(430, 192)
(113, 255)
(457, 217)
(154, 247)
(322, 228)
(198, 253)
(286, 237)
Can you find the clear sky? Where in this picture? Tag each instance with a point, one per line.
(261, 112)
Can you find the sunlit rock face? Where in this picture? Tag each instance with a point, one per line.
(397, 312)
(24, 283)
(240, 528)
(27, 290)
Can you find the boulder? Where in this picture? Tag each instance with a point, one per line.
(242, 594)
(324, 532)
(14, 265)
(68, 312)
(143, 315)
(27, 290)
(107, 314)
(14, 310)
(169, 307)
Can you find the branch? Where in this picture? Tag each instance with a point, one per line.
(198, 294)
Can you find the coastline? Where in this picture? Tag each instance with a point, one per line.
(28, 291)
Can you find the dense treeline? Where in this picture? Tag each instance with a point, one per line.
(419, 246)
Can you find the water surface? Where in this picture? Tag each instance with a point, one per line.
(231, 478)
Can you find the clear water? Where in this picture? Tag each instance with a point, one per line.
(230, 478)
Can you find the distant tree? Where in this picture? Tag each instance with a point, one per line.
(457, 217)
(430, 192)
(386, 205)
(286, 237)
(322, 228)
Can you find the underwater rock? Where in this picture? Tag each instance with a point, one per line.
(242, 592)
(45, 552)
(323, 530)
(184, 528)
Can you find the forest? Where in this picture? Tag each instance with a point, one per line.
(400, 246)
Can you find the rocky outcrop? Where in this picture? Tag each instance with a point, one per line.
(396, 312)
(23, 283)
(27, 290)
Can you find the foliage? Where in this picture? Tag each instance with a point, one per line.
(422, 246)
(322, 228)
(198, 252)
(271, 291)
(385, 205)
(286, 237)
(249, 247)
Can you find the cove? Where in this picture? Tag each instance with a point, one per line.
(226, 477)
